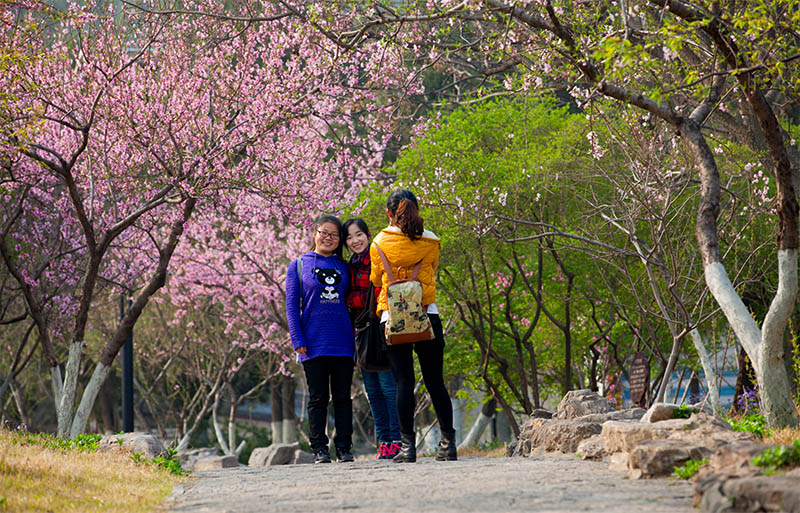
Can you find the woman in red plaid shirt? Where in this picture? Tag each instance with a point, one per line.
(380, 386)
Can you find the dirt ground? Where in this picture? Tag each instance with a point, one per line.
(551, 484)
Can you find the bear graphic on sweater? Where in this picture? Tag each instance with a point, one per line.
(329, 278)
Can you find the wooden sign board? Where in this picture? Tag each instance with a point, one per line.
(639, 378)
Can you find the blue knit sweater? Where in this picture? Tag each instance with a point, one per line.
(324, 326)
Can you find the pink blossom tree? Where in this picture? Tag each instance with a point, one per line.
(122, 123)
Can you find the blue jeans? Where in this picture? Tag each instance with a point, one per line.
(382, 394)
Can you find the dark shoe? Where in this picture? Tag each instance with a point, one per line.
(447, 448)
(408, 450)
(344, 456)
(322, 456)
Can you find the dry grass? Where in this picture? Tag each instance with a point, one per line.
(33, 478)
(475, 451)
(783, 436)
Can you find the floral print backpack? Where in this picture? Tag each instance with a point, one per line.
(408, 321)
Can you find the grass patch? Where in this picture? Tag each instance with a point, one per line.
(750, 423)
(683, 412)
(478, 452)
(785, 436)
(688, 469)
(777, 457)
(43, 473)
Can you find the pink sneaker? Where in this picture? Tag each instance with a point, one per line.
(393, 449)
(383, 451)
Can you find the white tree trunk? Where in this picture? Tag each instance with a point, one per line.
(240, 448)
(65, 405)
(288, 431)
(277, 431)
(734, 309)
(475, 432)
(774, 387)
(764, 349)
(99, 376)
(57, 383)
(218, 432)
(708, 369)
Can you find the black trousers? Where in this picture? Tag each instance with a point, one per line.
(330, 376)
(431, 358)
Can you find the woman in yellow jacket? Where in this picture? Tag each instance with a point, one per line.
(405, 243)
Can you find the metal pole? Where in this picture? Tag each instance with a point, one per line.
(127, 373)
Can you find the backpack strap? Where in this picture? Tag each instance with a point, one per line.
(388, 268)
(300, 279)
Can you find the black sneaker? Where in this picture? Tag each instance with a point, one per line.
(322, 456)
(344, 456)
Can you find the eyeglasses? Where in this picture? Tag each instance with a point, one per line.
(327, 235)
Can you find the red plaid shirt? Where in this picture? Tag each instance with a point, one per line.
(356, 298)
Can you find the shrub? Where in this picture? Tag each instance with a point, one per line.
(688, 469)
(777, 457)
(750, 423)
(683, 412)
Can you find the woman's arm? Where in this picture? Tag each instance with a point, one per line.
(293, 300)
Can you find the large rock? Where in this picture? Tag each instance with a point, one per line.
(700, 429)
(301, 457)
(137, 442)
(736, 458)
(658, 458)
(189, 457)
(631, 415)
(215, 463)
(730, 461)
(591, 448)
(620, 436)
(562, 435)
(275, 454)
(753, 494)
(577, 403)
(660, 411)
(530, 426)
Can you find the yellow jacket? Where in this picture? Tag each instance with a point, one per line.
(403, 254)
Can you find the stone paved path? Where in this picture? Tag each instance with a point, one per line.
(469, 485)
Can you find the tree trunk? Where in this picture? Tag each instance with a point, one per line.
(288, 418)
(480, 424)
(99, 376)
(708, 369)
(744, 381)
(69, 391)
(276, 398)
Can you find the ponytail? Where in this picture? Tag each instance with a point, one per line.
(405, 211)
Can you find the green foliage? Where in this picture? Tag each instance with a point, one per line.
(83, 442)
(255, 436)
(169, 463)
(683, 412)
(751, 423)
(777, 457)
(688, 469)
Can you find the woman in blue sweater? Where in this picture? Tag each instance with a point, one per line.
(322, 336)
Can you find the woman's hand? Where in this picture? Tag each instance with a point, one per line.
(301, 350)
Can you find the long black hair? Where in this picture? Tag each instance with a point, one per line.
(328, 218)
(361, 224)
(405, 211)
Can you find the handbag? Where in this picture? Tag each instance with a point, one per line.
(408, 320)
(370, 346)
